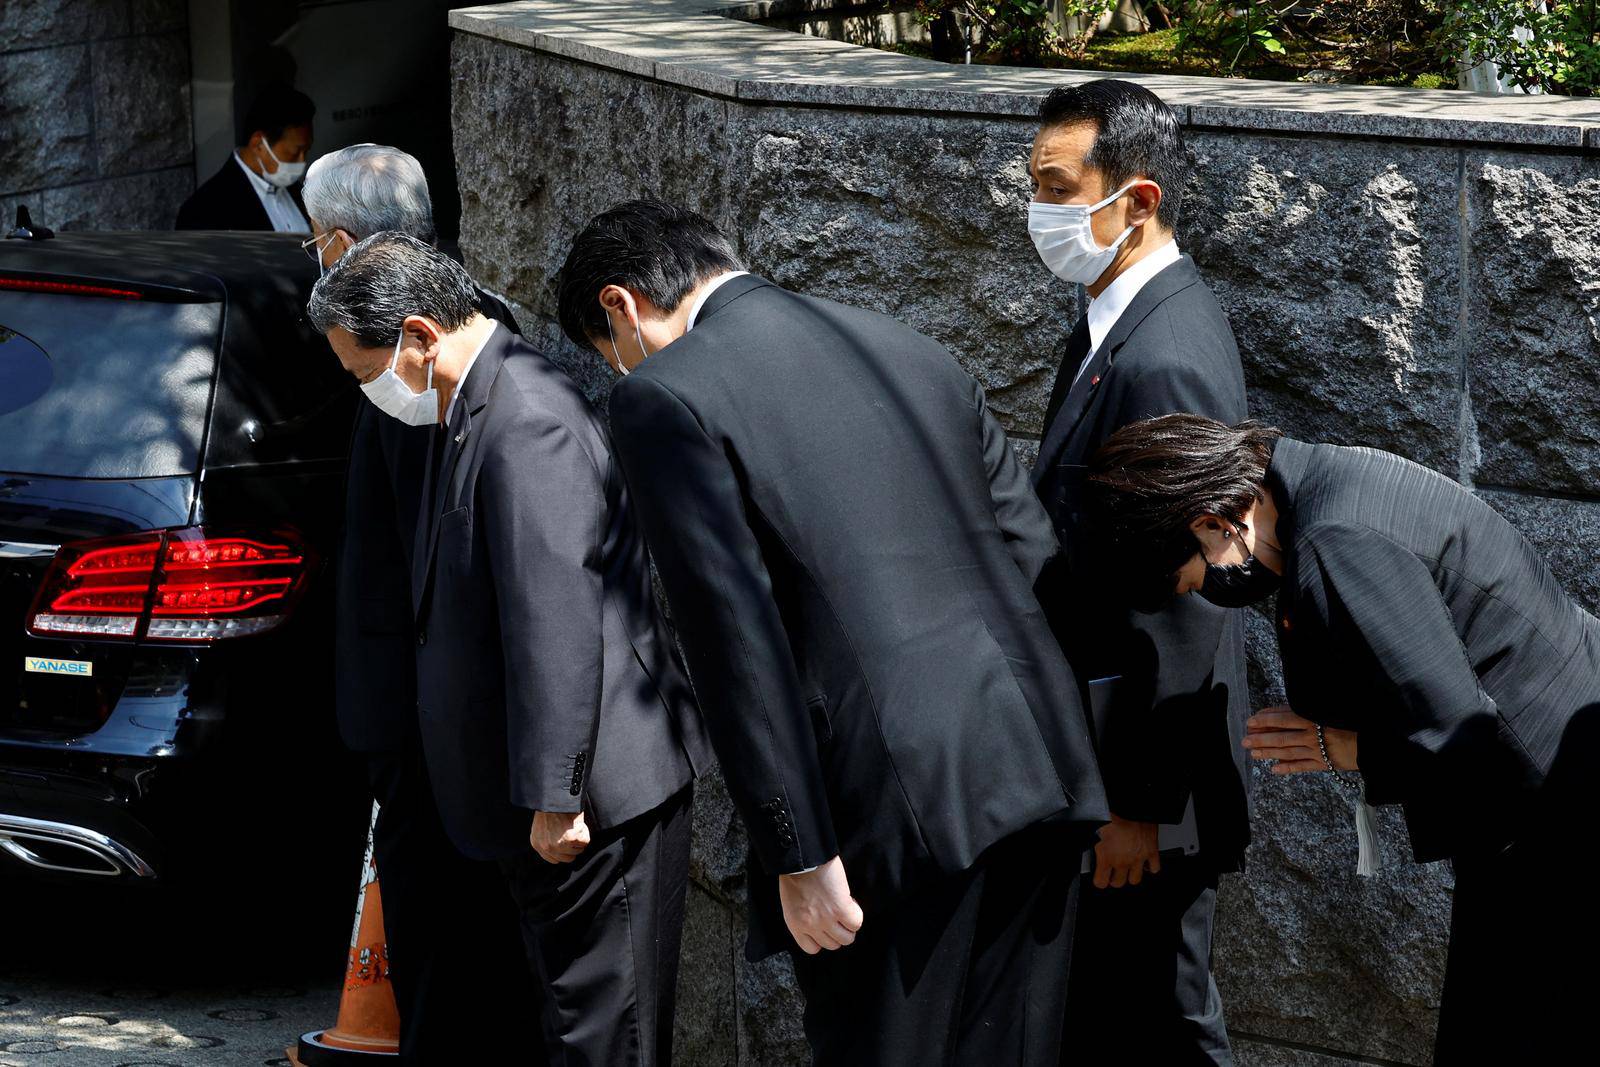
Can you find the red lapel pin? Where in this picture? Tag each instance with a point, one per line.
(1095, 380)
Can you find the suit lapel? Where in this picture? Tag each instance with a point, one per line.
(474, 395)
(245, 193)
(1074, 407)
(1169, 282)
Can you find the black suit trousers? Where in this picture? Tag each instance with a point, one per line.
(1518, 981)
(1141, 971)
(603, 935)
(972, 970)
(461, 985)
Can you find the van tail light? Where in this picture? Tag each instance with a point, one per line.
(187, 585)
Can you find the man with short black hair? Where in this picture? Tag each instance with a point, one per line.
(558, 729)
(446, 917)
(254, 190)
(1168, 690)
(849, 546)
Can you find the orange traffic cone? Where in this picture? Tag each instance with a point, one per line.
(368, 1027)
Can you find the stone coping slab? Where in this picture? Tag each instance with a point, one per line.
(697, 44)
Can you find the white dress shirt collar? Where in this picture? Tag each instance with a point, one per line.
(1107, 308)
(455, 395)
(279, 205)
(712, 286)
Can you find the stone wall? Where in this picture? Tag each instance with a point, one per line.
(1414, 271)
(96, 130)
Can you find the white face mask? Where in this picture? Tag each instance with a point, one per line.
(621, 366)
(286, 174)
(392, 396)
(1064, 236)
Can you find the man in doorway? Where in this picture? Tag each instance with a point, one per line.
(255, 189)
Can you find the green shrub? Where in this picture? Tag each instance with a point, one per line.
(1558, 52)
(1222, 28)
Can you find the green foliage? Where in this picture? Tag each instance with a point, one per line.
(1013, 30)
(1090, 12)
(1221, 28)
(1558, 50)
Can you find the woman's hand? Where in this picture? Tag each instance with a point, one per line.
(1279, 734)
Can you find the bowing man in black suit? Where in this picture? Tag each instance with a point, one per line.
(849, 546)
(256, 189)
(1426, 645)
(559, 732)
(1109, 168)
(446, 917)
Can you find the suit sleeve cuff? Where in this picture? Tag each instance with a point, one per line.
(787, 844)
(561, 791)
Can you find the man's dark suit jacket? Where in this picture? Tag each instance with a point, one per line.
(375, 679)
(226, 201)
(849, 547)
(1415, 615)
(1175, 728)
(546, 678)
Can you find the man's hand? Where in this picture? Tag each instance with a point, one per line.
(1123, 852)
(558, 837)
(818, 907)
(1277, 733)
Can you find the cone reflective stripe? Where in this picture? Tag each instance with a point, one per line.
(368, 1027)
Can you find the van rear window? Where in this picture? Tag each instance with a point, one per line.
(98, 388)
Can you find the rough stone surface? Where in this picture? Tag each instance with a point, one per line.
(1336, 263)
(95, 116)
(1534, 310)
(139, 202)
(1248, 1053)
(37, 23)
(521, 206)
(158, 16)
(705, 1027)
(141, 103)
(46, 125)
(770, 1010)
(1357, 275)
(890, 213)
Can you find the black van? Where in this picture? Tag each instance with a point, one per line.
(172, 450)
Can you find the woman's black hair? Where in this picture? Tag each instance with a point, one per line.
(1150, 480)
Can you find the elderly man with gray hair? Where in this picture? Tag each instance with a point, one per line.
(362, 190)
(447, 918)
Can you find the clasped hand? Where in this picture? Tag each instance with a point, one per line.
(1277, 733)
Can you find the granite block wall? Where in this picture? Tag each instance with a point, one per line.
(1434, 295)
(96, 130)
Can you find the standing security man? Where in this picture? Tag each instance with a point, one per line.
(1108, 168)
(460, 984)
(559, 732)
(850, 548)
(255, 189)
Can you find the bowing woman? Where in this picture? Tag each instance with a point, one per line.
(1426, 646)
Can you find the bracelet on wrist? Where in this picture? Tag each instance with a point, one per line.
(1322, 746)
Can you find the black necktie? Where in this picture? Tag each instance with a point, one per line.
(1077, 348)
